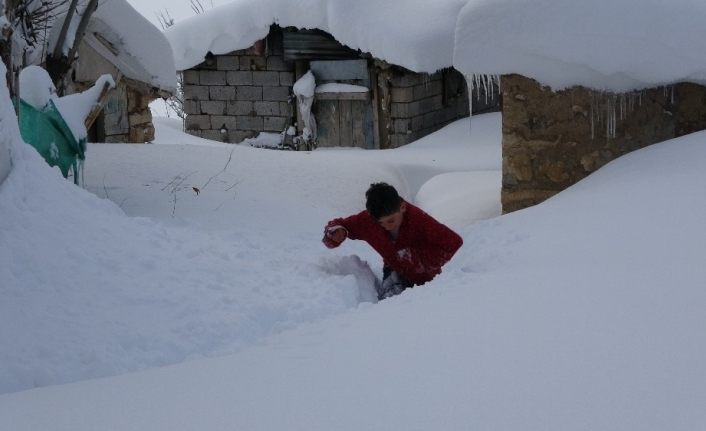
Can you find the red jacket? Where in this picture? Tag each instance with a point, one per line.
(422, 247)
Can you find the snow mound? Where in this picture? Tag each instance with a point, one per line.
(602, 44)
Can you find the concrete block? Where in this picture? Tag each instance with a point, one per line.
(248, 93)
(213, 135)
(196, 92)
(286, 79)
(227, 62)
(239, 78)
(249, 123)
(192, 107)
(191, 77)
(197, 122)
(265, 78)
(240, 107)
(212, 77)
(267, 108)
(213, 107)
(274, 124)
(286, 109)
(222, 93)
(280, 94)
(237, 136)
(218, 121)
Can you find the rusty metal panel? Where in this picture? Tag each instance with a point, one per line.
(314, 45)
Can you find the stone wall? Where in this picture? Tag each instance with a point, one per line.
(126, 117)
(551, 140)
(421, 104)
(239, 96)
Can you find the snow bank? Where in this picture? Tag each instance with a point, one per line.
(415, 34)
(9, 131)
(582, 313)
(603, 44)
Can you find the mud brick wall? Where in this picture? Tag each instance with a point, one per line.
(421, 104)
(551, 139)
(241, 93)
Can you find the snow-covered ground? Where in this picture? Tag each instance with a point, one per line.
(584, 312)
(190, 274)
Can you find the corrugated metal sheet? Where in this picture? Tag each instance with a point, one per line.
(314, 45)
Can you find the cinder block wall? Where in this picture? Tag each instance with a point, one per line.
(260, 102)
(420, 104)
(552, 140)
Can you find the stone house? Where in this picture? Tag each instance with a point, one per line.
(139, 59)
(234, 96)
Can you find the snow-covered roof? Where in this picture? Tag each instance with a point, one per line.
(416, 34)
(613, 45)
(141, 41)
(132, 43)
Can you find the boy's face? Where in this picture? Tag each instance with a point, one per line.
(392, 222)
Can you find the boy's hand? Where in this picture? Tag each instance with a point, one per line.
(334, 236)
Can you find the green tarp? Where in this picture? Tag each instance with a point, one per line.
(47, 131)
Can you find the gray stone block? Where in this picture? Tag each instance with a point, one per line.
(197, 122)
(192, 107)
(213, 107)
(196, 92)
(401, 125)
(286, 109)
(190, 77)
(239, 78)
(274, 124)
(240, 107)
(267, 108)
(286, 79)
(222, 93)
(249, 123)
(280, 94)
(399, 110)
(248, 93)
(227, 62)
(265, 78)
(214, 135)
(219, 121)
(212, 77)
(409, 79)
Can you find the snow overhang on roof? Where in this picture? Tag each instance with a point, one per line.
(141, 42)
(416, 34)
(138, 49)
(610, 45)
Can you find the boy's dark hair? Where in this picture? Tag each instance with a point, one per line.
(382, 200)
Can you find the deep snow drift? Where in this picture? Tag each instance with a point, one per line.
(582, 313)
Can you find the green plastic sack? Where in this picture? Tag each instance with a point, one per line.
(47, 131)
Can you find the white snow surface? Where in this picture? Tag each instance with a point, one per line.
(416, 34)
(602, 44)
(222, 309)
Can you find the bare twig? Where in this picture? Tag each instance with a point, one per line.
(230, 156)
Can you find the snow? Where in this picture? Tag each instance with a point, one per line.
(187, 288)
(138, 48)
(140, 40)
(603, 44)
(37, 89)
(416, 34)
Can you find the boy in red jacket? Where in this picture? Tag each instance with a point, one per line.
(413, 245)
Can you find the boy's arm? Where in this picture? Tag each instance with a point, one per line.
(337, 230)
